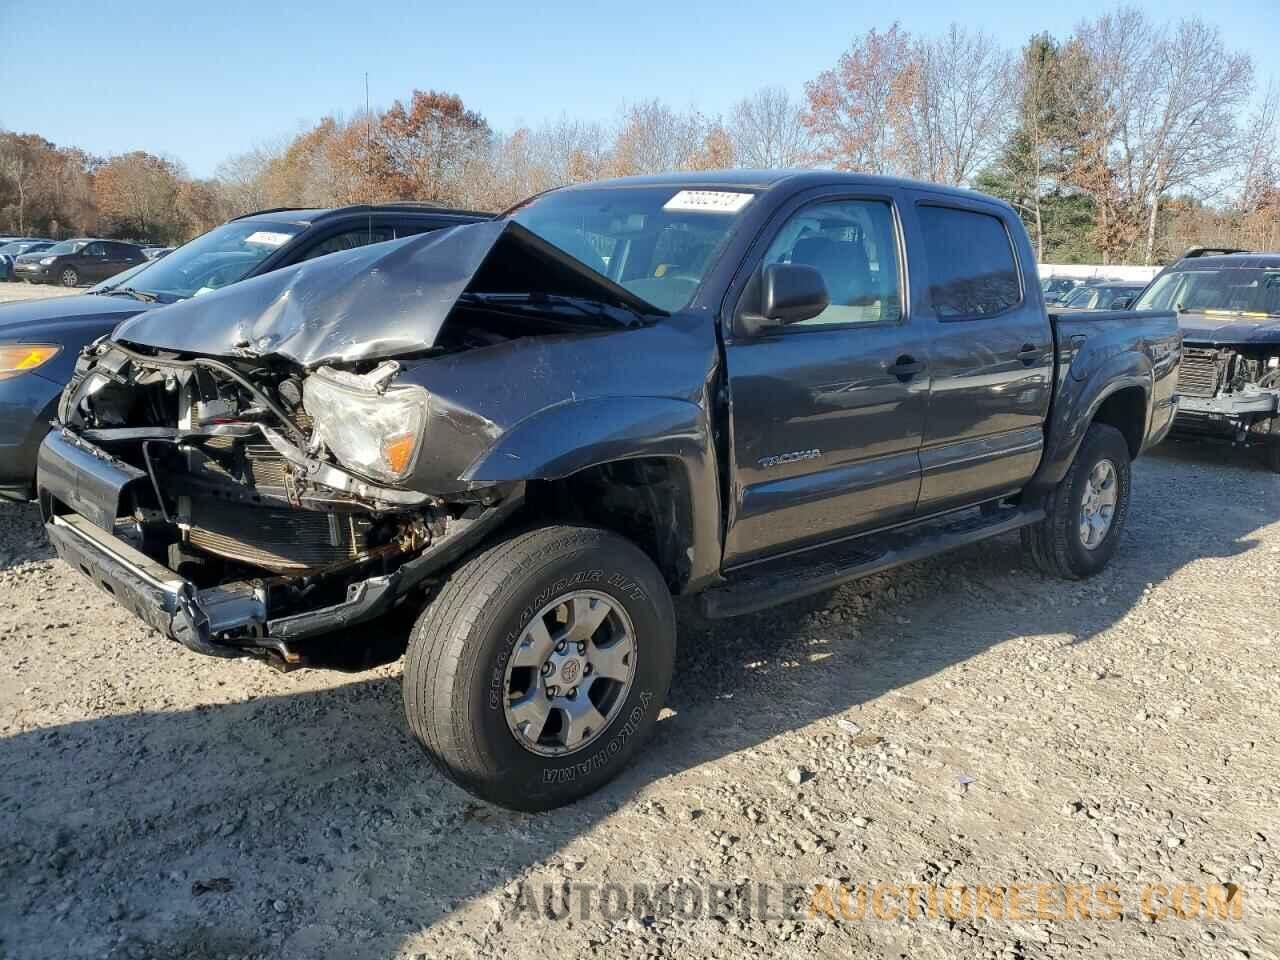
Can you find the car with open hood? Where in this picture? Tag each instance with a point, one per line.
(531, 433)
(40, 339)
(1228, 307)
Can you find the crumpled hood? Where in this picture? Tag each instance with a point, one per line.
(1210, 328)
(379, 301)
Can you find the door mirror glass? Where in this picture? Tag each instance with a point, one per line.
(792, 292)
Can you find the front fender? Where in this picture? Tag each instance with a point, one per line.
(563, 439)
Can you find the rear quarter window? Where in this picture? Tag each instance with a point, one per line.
(970, 265)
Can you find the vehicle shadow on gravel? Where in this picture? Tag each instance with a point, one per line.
(310, 824)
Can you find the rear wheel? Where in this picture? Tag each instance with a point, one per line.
(539, 668)
(70, 278)
(1086, 512)
(1273, 445)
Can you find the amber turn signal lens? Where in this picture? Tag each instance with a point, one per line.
(397, 451)
(17, 358)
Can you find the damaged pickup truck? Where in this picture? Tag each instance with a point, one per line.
(1229, 310)
(533, 432)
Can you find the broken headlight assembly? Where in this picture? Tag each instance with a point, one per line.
(371, 428)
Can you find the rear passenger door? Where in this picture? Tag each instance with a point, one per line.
(991, 352)
(826, 415)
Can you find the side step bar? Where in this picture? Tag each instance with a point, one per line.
(821, 569)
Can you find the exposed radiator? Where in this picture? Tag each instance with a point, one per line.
(1200, 372)
(286, 541)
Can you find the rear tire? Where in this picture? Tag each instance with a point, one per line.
(463, 677)
(1065, 544)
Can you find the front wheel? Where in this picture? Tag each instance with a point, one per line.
(540, 666)
(1273, 445)
(70, 278)
(1086, 512)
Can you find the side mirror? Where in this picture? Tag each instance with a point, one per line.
(789, 293)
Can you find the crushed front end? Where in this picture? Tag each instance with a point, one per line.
(201, 493)
(1230, 391)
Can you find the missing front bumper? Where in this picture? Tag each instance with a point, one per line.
(80, 495)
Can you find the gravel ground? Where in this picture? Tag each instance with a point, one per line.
(10, 291)
(963, 721)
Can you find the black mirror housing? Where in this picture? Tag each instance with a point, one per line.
(791, 292)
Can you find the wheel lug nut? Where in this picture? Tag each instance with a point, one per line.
(573, 692)
(582, 648)
(560, 647)
(546, 669)
(553, 691)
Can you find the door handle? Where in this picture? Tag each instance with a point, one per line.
(1029, 354)
(906, 367)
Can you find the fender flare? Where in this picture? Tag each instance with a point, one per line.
(1078, 403)
(568, 437)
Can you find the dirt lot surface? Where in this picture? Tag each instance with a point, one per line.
(962, 722)
(10, 292)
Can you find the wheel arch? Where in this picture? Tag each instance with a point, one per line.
(644, 467)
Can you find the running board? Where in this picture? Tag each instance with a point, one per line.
(813, 571)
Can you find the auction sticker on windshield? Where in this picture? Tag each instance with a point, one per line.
(708, 201)
(267, 237)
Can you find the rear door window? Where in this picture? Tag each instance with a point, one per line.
(971, 269)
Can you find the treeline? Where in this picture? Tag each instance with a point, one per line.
(1126, 141)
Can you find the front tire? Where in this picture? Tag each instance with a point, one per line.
(1085, 513)
(1273, 445)
(540, 666)
(70, 278)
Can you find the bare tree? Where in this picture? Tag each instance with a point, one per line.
(243, 178)
(959, 109)
(573, 151)
(1172, 97)
(768, 131)
(652, 137)
(1260, 147)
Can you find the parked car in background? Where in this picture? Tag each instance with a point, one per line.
(1229, 309)
(72, 263)
(155, 253)
(776, 383)
(9, 252)
(54, 330)
(1056, 289)
(1103, 295)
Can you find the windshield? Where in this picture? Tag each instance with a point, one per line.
(221, 256)
(67, 246)
(657, 242)
(1249, 291)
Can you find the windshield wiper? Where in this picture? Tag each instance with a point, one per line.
(142, 295)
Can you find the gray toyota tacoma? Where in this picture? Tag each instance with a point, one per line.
(532, 432)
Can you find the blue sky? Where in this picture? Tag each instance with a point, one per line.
(201, 81)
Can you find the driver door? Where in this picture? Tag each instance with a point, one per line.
(827, 414)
